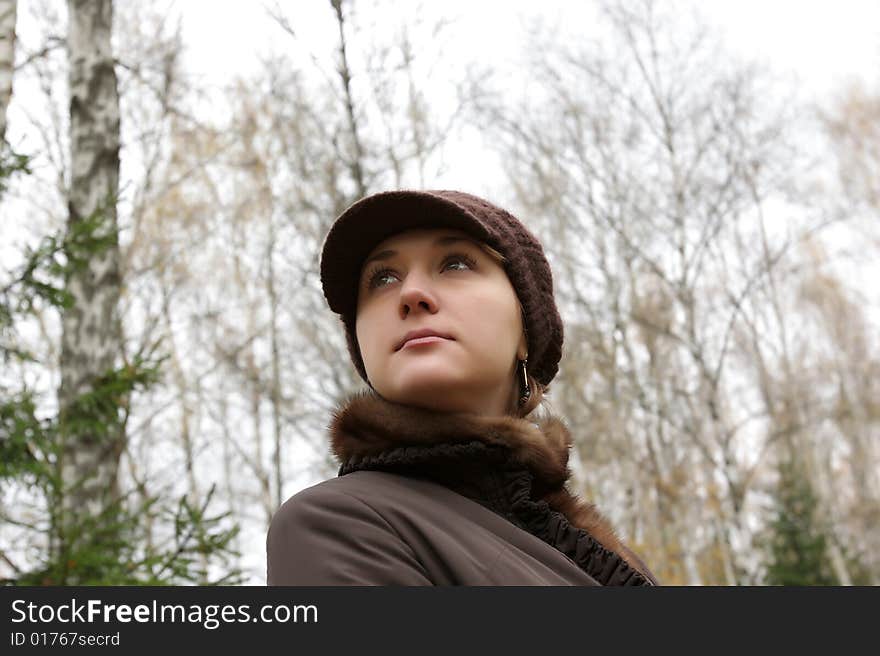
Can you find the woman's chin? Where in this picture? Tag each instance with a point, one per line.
(426, 385)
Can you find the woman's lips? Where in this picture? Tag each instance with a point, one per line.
(422, 341)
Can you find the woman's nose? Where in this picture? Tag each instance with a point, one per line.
(416, 292)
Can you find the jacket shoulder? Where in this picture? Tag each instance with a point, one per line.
(331, 534)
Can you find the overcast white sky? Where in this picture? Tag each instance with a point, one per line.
(823, 41)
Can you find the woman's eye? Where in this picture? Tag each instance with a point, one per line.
(378, 276)
(375, 278)
(460, 257)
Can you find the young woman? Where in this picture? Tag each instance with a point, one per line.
(448, 308)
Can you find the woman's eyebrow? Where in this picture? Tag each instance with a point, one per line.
(440, 241)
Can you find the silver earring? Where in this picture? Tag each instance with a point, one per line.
(527, 390)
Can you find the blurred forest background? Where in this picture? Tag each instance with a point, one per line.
(168, 364)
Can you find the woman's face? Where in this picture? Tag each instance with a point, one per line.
(441, 280)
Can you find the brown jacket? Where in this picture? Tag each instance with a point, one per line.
(426, 498)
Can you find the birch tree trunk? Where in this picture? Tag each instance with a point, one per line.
(7, 58)
(90, 338)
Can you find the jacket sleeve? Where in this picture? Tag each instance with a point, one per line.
(328, 537)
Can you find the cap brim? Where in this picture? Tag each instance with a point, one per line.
(370, 220)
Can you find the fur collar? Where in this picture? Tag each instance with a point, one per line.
(367, 425)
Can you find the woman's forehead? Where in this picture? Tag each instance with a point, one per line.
(414, 235)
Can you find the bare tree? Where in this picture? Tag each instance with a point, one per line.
(853, 124)
(835, 301)
(7, 58)
(91, 340)
(651, 163)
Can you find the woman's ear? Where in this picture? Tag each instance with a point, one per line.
(522, 349)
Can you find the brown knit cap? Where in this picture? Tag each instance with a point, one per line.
(374, 218)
